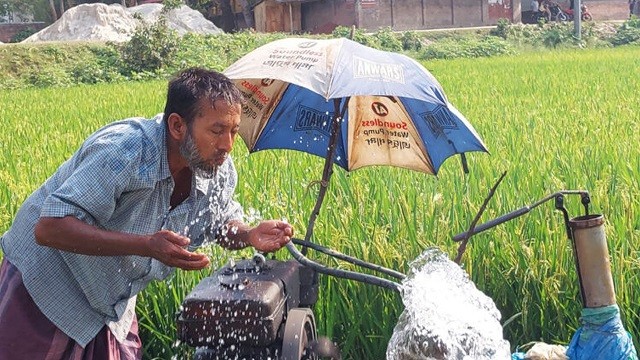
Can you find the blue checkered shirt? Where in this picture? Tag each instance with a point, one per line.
(118, 180)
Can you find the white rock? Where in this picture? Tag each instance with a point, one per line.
(182, 19)
(89, 22)
(101, 22)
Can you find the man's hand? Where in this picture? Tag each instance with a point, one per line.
(270, 235)
(169, 248)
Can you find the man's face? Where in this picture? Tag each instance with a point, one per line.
(210, 139)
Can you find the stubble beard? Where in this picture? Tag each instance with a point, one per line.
(198, 165)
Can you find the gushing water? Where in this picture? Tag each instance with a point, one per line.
(445, 317)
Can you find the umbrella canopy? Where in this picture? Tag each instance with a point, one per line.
(385, 108)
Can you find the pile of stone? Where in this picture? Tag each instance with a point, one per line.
(101, 22)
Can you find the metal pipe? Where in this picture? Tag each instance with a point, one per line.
(592, 261)
(577, 19)
(344, 274)
(347, 258)
(492, 223)
(516, 213)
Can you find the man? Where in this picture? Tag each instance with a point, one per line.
(130, 205)
(545, 10)
(535, 7)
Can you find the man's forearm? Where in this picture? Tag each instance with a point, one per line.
(234, 235)
(74, 235)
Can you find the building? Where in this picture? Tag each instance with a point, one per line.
(322, 16)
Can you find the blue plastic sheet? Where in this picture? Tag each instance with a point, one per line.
(601, 337)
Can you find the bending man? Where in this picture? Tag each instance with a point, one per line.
(134, 202)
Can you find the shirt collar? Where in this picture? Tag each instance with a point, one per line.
(164, 164)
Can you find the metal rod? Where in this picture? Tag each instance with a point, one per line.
(559, 204)
(328, 165)
(463, 245)
(516, 213)
(577, 19)
(344, 274)
(585, 200)
(463, 157)
(347, 258)
(465, 166)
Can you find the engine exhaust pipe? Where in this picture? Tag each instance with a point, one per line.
(592, 261)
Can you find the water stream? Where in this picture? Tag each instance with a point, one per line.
(445, 317)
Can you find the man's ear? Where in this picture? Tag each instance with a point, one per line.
(177, 126)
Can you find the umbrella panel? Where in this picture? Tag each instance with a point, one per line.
(291, 117)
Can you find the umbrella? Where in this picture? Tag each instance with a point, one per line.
(350, 104)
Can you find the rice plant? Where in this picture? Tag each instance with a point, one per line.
(551, 120)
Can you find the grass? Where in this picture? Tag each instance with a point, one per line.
(552, 121)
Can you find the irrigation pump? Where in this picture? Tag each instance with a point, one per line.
(259, 308)
(602, 335)
(253, 309)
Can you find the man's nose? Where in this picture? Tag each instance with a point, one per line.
(226, 142)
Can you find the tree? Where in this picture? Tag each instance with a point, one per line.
(221, 12)
(17, 10)
(52, 8)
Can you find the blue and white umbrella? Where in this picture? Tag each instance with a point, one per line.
(389, 110)
(353, 105)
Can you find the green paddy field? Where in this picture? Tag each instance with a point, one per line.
(551, 120)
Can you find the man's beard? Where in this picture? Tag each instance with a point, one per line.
(198, 165)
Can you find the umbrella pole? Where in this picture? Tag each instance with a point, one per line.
(328, 165)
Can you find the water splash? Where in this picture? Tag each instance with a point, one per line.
(252, 216)
(446, 317)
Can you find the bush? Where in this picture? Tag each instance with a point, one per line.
(501, 29)
(628, 33)
(94, 73)
(102, 65)
(467, 48)
(525, 34)
(411, 41)
(50, 76)
(22, 34)
(354, 34)
(151, 48)
(220, 50)
(387, 40)
(155, 51)
(556, 34)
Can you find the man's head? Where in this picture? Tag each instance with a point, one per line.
(202, 115)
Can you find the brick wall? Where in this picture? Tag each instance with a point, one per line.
(9, 30)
